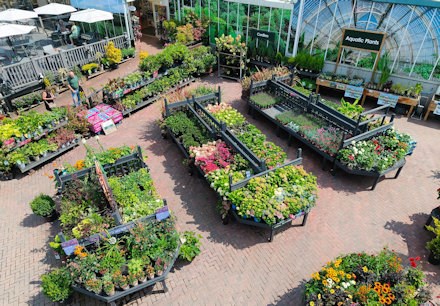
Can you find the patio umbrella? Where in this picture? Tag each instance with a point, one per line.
(55, 9)
(91, 16)
(10, 29)
(16, 14)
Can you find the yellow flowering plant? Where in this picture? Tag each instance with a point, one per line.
(362, 279)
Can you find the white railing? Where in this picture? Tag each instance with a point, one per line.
(27, 73)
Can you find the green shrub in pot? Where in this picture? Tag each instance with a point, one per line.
(56, 285)
(43, 205)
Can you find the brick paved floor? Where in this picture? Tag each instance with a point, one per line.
(237, 266)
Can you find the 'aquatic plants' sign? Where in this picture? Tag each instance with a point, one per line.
(364, 40)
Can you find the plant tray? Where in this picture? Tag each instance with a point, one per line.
(155, 98)
(120, 294)
(50, 156)
(44, 133)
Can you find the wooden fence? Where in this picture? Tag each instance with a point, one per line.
(27, 73)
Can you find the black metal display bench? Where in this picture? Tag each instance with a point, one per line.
(353, 130)
(218, 130)
(112, 300)
(122, 166)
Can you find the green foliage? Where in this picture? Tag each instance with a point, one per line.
(434, 244)
(186, 129)
(127, 52)
(286, 117)
(383, 67)
(56, 285)
(43, 205)
(136, 194)
(191, 245)
(264, 100)
(351, 110)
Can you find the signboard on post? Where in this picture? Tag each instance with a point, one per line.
(262, 35)
(354, 92)
(362, 40)
(387, 99)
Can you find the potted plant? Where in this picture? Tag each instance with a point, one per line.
(120, 280)
(159, 267)
(107, 284)
(434, 245)
(190, 247)
(150, 272)
(56, 285)
(135, 268)
(44, 206)
(94, 285)
(113, 54)
(132, 280)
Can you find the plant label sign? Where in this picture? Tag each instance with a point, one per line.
(162, 213)
(387, 99)
(437, 109)
(108, 127)
(354, 92)
(263, 35)
(69, 246)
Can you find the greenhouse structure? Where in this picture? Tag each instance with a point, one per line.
(411, 30)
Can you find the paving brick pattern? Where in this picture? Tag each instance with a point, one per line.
(237, 265)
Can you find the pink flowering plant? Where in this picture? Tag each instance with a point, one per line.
(212, 156)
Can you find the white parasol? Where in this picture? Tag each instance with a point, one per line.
(10, 29)
(55, 9)
(16, 14)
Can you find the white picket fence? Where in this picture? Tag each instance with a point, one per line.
(27, 73)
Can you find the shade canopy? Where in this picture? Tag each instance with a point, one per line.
(91, 16)
(16, 14)
(9, 29)
(55, 9)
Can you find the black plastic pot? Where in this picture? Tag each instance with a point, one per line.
(52, 217)
(433, 260)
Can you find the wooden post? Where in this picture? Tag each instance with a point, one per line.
(219, 95)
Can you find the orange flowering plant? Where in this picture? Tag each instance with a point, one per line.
(362, 279)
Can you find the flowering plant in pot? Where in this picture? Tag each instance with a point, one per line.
(94, 285)
(150, 272)
(108, 285)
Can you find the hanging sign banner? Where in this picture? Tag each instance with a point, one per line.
(362, 40)
(262, 35)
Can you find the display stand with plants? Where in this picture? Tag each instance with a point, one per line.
(231, 54)
(364, 279)
(434, 245)
(109, 261)
(34, 138)
(233, 163)
(334, 136)
(28, 101)
(165, 72)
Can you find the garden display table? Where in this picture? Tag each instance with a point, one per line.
(202, 110)
(412, 102)
(287, 108)
(350, 91)
(433, 106)
(330, 84)
(100, 114)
